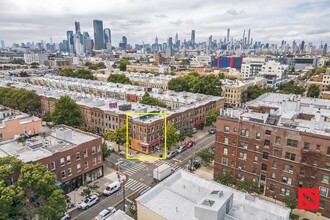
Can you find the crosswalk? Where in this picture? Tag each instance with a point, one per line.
(134, 168)
(174, 167)
(137, 186)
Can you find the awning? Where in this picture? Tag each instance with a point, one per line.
(198, 123)
(59, 184)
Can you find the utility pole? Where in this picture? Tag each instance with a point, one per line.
(123, 183)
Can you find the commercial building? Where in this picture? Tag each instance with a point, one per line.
(14, 123)
(225, 62)
(234, 91)
(300, 63)
(73, 156)
(280, 142)
(275, 73)
(39, 58)
(98, 35)
(322, 81)
(142, 68)
(185, 196)
(162, 59)
(251, 66)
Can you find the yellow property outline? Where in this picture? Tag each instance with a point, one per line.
(164, 138)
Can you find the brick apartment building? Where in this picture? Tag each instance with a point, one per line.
(281, 142)
(75, 157)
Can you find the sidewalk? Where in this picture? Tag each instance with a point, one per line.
(101, 182)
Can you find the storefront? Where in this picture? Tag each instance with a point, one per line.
(93, 175)
(72, 184)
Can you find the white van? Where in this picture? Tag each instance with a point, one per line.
(113, 187)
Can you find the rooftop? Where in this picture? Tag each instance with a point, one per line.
(183, 195)
(119, 215)
(51, 141)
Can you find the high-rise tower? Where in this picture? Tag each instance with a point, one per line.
(98, 34)
(193, 38)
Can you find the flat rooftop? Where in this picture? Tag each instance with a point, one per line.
(119, 215)
(58, 139)
(178, 196)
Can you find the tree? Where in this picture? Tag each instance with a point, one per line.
(211, 117)
(17, 61)
(66, 112)
(248, 186)
(118, 136)
(290, 88)
(77, 73)
(27, 190)
(123, 64)
(47, 117)
(119, 78)
(206, 155)
(89, 189)
(255, 91)
(105, 150)
(23, 74)
(225, 179)
(290, 202)
(313, 91)
(148, 100)
(172, 137)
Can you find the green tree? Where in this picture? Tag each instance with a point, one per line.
(313, 91)
(148, 100)
(290, 202)
(225, 179)
(320, 70)
(290, 88)
(77, 73)
(89, 189)
(123, 64)
(23, 74)
(248, 186)
(255, 91)
(17, 61)
(206, 155)
(172, 137)
(105, 150)
(211, 117)
(66, 112)
(118, 136)
(119, 78)
(27, 190)
(47, 117)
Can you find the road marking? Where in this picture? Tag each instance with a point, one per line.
(136, 186)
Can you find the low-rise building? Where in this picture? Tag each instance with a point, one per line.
(143, 68)
(322, 81)
(15, 123)
(251, 66)
(73, 156)
(275, 73)
(185, 196)
(39, 58)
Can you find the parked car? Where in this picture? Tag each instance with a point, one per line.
(194, 130)
(181, 148)
(111, 188)
(66, 216)
(190, 144)
(171, 154)
(89, 201)
(212, 130)
(105, 213)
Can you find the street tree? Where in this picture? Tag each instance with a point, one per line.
(225, 179)
(211, 117)
(148, 100)
(206, 156)
(290, 201)
(27, 190)
(313, 91)
(66, 112)
(77, 73)
(172, 137)
(118, 136)
(119, 78)
(248, 186)
(89, 189)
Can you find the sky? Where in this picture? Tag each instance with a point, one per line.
(141, 20)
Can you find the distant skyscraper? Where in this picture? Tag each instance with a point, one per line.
(107, 36)
(169, 49)
(176, 38)
(193, 38)
(325, 49)
(228, 35)
(123, 43)
(77, 27)
(156, 44)
(210, 43)
(2, 44)
(69, 35)
(302, 46)
(98, 34)
(249, 35)
(243, 39)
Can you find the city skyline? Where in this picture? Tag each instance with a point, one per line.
(26, 22)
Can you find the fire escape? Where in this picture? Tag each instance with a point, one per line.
(310, 160)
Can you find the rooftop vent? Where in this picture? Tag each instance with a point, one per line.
(208, 202)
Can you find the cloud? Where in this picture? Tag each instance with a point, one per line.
(141, 20)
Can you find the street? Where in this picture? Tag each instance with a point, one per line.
(139, 177)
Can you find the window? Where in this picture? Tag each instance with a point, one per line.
(242, 155)
(286, 180)
(241, 166)
(243, 145)
(225, 151)
(257, 148)
(328, 151)
(86, 164)
(63, 174)
(258, 135)
(94, 160)
(244, 133)
(263, 177)
(290, 156)
(276, 153)
(285, 192)
(1, 136)
(52, 165)
(273, 175)
(265, 155)
(300, 184)
(267, 143)
(224, 161)
(69, 172)
(277, 140)
(240, 177)
(325, 179)
(323, 191)
(292, 143)
(78, 167)
(318, 147)
(288, 168)
(255, 159)
(99, 148)
(85, 153)
(93, 150)
(275, 163)
(99, 159)
(272, 187)
(62, 162)
(78, 155)
(322, 204)
(302, 171)
(226, 129)
(225, 141)
(306, 145)
(264, 167)
(68, 159)
(268, 132)
(254, 170)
